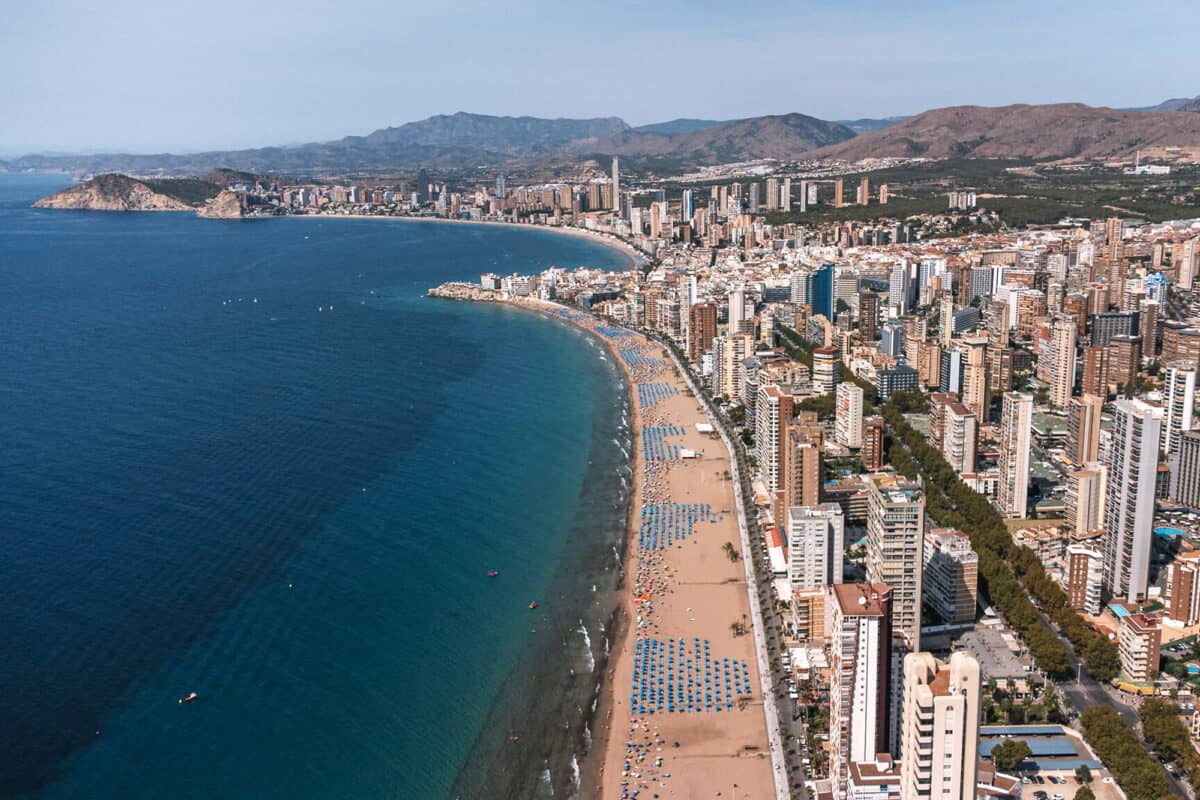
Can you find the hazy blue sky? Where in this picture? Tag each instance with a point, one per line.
(194, 74)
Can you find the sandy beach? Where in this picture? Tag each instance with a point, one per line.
(697, 727)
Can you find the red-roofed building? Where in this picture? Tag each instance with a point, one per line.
(1138, 645)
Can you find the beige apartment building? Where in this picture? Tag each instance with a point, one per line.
(939, 752)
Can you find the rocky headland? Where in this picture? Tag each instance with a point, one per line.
(116, 192)
(226, 205)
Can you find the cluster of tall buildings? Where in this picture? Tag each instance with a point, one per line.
(904, 728)
(898, 718)
(1059, 366)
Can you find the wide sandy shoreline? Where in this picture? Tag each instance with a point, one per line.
(692, 589)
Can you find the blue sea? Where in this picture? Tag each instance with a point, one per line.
(253, 461)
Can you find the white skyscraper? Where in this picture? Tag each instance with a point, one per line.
(687, 205)
(1056, 265)
(616, 185)
(1129, 501)
(772, 409)
(927, 270)
(860, 673)
(1015, 422)
(848, 407)
(1179, 389)
(798, 288)
(898, 289)
(737, 310)
(816, 535)
(959, 438)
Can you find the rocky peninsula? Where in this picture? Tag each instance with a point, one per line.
(112, 193)
(226, 205)
(464, 291)
(116, 192)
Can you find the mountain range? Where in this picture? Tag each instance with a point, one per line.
(1062, 130)
(689, 125)
(464, 142)
(1174, 104)
(781, 137)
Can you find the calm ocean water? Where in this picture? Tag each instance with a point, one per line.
(252, 461)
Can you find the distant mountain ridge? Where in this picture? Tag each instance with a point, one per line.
(466, 142)
(463, 140)
(783, 137)
(1173, 104)
(507, 135)
(689, 125)
(681, 125)
(443, 141)
(870, 123)
(1063, 130)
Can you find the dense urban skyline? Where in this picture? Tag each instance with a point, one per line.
(224, 76)
(880, 437)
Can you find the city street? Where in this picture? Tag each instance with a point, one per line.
(1085, 691)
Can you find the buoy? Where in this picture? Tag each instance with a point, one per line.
(533, 605)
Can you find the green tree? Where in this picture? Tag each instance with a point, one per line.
(823, 405)
(1085, 793)
(910, 402)
(1138, 772)
(1009, 754)
(1083, 773)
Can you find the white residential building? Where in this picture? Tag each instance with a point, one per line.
(849, 415)
(1129, 501)
(1179, 403)
(816, 537)
(1016, 420)
(860, 671)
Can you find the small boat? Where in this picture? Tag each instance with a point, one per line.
(514, 738)
(191, 696)
(492, 573)
(533, 605)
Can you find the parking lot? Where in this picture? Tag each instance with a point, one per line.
(1056, 752)
(1103, 787)
(996, 660)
